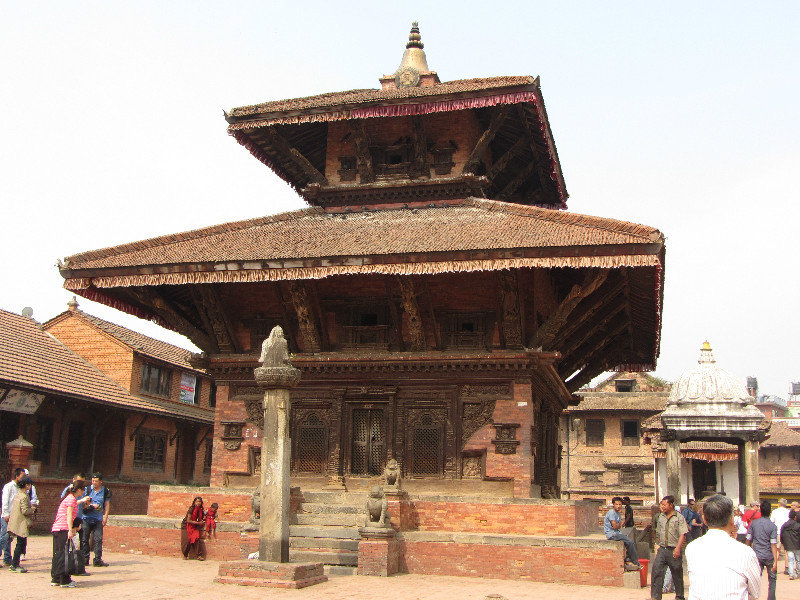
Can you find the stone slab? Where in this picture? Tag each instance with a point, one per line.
(271, 574)
(632, 580)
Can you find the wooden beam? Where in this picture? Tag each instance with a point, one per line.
(550, 328)
(485, 139)
(520, 178)
(409, 300)
(175, 435)
(510, 312)
(592, 347)
(301, 302)
(215, 316)
(500, 164)
(594, 369)
(361, 144)
(571, 345)
(277, 141)
(522, 113)
(325, 343)
(203, 439)
(430, 315)
(420, 147)
(603, 297)
(138, 427)
(171, 314)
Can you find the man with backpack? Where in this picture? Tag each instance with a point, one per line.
(95, 516)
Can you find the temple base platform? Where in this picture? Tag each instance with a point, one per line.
(270, 574)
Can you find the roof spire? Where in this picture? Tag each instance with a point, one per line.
(706, 355)
(413, 70)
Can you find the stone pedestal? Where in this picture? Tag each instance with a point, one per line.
(378, 552)
(271, 574)
(19, 453)
(399, 509)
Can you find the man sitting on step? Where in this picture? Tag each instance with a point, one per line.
(611, 526)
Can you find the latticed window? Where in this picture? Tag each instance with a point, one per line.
(426, 445)
(149, 450)
(155, 380)
(631, 477)
(312, 446)
(595, 432)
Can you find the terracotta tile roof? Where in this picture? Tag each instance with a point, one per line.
(781, 435)
(143, 344)
(621, 401)
(472, 225)
(367, 96)
(33, 359)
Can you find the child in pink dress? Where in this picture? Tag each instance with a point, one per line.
(211, 521)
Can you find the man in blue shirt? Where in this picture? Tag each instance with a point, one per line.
(611, 526)
(95, 516)
(763, 537)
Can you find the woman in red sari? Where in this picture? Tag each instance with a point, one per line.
(191, 531)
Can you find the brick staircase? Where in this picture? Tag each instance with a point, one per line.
(325, 530)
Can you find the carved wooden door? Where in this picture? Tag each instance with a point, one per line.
(367, 453)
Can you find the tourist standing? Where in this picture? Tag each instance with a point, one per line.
(63, 529)
(740, 525)
(612, 523)
(95, 516)
(693, 522)
(763, 537)
(790, 539)
(628, 522)
(20, 520)
(779, 516)
(81, 572)
(9, 491)
(721, 568)
(671, 538)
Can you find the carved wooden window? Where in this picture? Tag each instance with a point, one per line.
(347, 168)
(155, 380)
(595, 432)
(394, 160)
(367, 327)
(149, 450)
(312, 446)
(630, 432)
(631, 477)
(427, 447)
(44, 440)
(591, 476)
(466, 330)
(443, 159)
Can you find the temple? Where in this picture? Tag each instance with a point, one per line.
(439, 300)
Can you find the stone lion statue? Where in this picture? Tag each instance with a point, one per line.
(391, 475)
(377, 509)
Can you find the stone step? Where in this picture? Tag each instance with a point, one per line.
(334, 498)
(317, 542)
(349, 559)
(345, 520)
(319, 507)
(320, 531)
(339, 570)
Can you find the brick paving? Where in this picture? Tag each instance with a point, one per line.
(133, 576)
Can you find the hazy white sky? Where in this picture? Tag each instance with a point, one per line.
(679, 115)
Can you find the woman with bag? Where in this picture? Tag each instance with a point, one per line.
(20, 521)
(191, 531)
(63, 531)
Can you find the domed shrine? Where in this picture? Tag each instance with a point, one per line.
(706, 441)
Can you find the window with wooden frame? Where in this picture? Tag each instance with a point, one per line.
(630, 432)
(367, 326)
(631, 477)
(155, 380)
(595, 432)
(466, 330)
(149, 450)
(624, 385)
(44, 440)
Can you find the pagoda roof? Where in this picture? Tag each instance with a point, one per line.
(35, 360)
(471, 235)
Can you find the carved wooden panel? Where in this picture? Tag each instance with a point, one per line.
(510, 312)
(301, 301)
(411, 308)
(425, 428)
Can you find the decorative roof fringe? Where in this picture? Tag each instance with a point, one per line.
(428, 268)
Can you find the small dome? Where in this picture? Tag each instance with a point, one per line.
(708, 384)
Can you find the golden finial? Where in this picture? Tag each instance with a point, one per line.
(706, 345)
(414, 38)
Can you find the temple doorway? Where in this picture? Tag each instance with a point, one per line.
(368, 442)
(704, 477)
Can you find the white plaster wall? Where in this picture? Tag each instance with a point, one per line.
(728, 479)
(661, 469)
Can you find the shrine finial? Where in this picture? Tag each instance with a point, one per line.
(413, 70)
(414, 38)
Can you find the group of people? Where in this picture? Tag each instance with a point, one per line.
(198, 524)
(726, 548)
(81, 516)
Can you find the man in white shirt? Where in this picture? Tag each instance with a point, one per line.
(9, 491)
(720, 568)
(779, 516)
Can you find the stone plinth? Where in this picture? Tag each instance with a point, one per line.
(271, 574)
(399, 509)
(378, 552)
(19, 453)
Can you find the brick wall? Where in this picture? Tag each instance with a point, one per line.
(154, 541)
(787, 483)
(167, 503)
(128, 499)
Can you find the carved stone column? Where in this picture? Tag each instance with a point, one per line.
(748, 472)
(674, 469)
(276, 377)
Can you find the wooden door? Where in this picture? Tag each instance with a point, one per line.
(369, 442)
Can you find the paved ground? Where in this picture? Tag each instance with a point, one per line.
(143, 577)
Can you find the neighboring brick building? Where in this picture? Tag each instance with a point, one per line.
(779, 463)
(602, 454)
(111, 400)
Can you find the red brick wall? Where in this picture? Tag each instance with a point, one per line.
(580, 566)
(515, 519)
(378, 557)
(174, 504)
(167, 542)
(128, 499)
(784, 483)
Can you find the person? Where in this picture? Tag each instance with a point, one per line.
(671, 538)
(191, 529)
(763, 538)
(211, 520)
(20, 520)
(741, 526)
(751, 514)
(611, 526)
(779, 516)
(63, 529)
(720, 568)
(81, 571)
(790, 540)
(693, 522)
(95, 517)
(628, 520)
(9, 491)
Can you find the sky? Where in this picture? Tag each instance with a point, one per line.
(681, 115)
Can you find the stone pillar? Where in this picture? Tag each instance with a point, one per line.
(748, 472)
(276, 377)
(19, 453)
(378, 552)
(674, 469)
